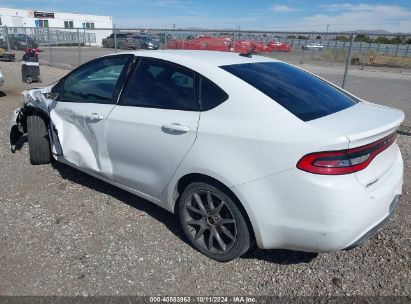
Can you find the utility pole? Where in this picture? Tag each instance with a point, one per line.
(327, 32)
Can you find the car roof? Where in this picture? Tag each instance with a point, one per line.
(197, 59)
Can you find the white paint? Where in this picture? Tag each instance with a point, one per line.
(30, 63)
(249, 143)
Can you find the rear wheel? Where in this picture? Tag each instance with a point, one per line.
(39, 145)
(213, 223)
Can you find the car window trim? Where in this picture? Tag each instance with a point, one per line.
(131, 73)
(201, 77)
(117, 88)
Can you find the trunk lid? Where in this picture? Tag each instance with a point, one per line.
(362, 124)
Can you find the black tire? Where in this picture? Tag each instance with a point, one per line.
(38, 138)
(227, 228)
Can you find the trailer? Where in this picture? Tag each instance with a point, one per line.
(7, 56)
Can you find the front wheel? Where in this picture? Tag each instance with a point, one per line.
(39, 145)
(213, 223)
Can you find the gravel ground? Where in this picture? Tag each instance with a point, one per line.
(65, 233)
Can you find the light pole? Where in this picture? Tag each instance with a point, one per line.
(327, 32)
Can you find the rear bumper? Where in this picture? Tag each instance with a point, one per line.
(316, 213)
(367, 235)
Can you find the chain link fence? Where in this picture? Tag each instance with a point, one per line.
(374, 67)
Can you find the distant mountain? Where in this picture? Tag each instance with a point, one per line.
(372, 32)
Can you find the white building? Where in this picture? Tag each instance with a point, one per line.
(17, 19)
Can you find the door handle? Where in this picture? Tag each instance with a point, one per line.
(95, 116)
(175, 128)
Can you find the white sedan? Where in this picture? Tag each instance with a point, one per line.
(244, 149)
(313, 47)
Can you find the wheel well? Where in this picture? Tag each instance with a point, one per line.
(30, 111)
(196, 177)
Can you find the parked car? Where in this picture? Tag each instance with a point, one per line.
(244, 149)
(201, 43)
(226, 44)
(276, 46)
(313, 47)
(22, 42)
(123, 41)
(260, 47)
(146, 42)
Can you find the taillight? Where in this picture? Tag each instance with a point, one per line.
(344, 161)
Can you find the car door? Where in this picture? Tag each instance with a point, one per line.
(154, 125)
(87, 97)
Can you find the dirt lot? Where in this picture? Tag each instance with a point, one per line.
(65, 233)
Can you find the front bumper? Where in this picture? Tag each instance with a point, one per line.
(316, 213)
(152, 47)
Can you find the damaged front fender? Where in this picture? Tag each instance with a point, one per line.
(35, 101)
(75, 135)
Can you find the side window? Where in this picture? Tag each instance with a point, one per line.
(161, 84)
(95, 82)
(210, 94)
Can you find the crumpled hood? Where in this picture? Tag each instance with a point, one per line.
(37, 98)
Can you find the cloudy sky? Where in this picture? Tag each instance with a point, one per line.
(291, 15)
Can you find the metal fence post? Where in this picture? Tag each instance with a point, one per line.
(347, 63)
(165, 39)
(50, 50)
(115, 39)
(406, 50)
(6, 29)
(25, 36)
(78, 47)
(233, 41)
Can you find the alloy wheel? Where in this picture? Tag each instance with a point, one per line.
(209, 221)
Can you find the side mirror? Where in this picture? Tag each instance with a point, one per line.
(52, 95)
(55, 91)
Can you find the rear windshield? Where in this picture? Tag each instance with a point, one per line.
(301, 93)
